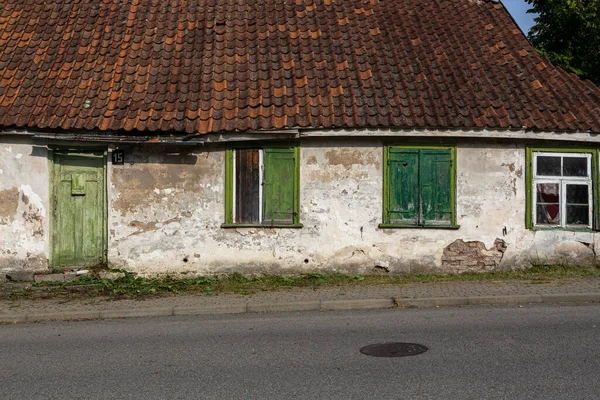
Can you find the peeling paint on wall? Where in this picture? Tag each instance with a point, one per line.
(9, 201)
(152, 178)
(563, 247)
(143, 227)
(461, 256)
(166, 207)
(348, 157)
(340, 208)
(23, 205)
(32, 213)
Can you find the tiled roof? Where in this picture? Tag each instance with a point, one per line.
(201, 66)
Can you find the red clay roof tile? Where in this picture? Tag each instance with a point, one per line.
(216, 65)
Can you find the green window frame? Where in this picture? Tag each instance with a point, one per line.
(419, 187)
(558, 196)
(262, 187)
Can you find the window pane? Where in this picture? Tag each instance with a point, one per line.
(247, 187)
(548, 166)
(548, 203)
(547, 193)
(578, 212)
(578, 194)
(578, 215)
(575, 166)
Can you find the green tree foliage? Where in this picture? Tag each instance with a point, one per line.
(568, 33)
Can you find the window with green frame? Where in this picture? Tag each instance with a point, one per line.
(419, 187)
(262, 186)
(562, 188)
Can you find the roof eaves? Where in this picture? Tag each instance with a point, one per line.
(457, 133)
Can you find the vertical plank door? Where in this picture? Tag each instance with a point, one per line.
(78, 209)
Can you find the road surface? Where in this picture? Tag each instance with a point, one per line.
(528, 352)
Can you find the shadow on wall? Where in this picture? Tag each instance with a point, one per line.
(139, 154)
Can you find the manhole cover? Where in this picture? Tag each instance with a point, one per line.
(393, 349)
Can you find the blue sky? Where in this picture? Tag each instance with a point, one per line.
(518, 9)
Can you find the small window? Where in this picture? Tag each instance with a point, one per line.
(419, 187)
(262, 187)
(562, 190)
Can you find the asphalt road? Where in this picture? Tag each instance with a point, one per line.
(533, 352)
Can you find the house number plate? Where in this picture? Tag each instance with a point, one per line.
(118, 157)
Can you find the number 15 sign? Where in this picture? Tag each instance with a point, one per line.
(118, 157)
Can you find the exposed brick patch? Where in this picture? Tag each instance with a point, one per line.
(461, 256)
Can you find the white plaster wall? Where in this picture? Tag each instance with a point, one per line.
(165, 217)
(23, 205)
(166, 207)
(491, 198)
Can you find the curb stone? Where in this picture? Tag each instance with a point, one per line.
(137, 312)
(431, 302)
(333, 305)
(570, 297)
(211, 310)
(284, 307)
(63, 316)
(13, 318)
(314, 305)
(511, 299)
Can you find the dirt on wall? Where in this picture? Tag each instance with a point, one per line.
(347, 158)
(33, 218)
(147, 180)
(9, 201)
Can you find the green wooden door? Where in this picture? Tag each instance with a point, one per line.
(79, 212)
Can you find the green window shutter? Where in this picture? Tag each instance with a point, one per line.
(436, 192)
(403, 186)
(278, 193)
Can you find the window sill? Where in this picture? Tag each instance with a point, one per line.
(560, 228)
(402, 226)
(289, 226)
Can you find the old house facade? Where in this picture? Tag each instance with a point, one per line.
(267, 136)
